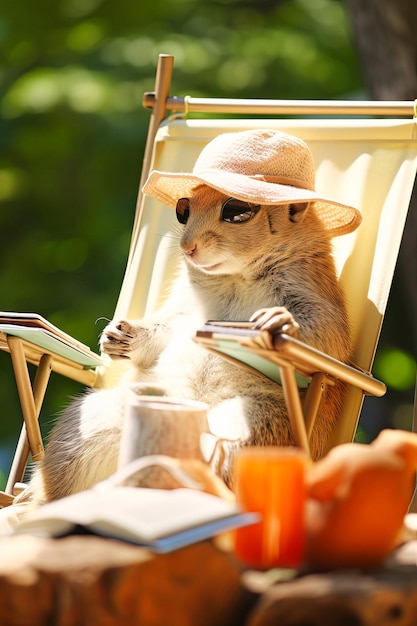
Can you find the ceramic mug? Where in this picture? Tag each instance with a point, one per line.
(164, 426)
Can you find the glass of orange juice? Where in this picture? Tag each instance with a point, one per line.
(271, 481)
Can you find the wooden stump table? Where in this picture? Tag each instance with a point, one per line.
(386, 596)
(91, 581)
(86, 580)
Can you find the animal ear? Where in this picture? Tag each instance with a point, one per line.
(296, 211)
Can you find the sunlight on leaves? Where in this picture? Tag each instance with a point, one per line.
(128, 96)
(197, 55)
(35, 92)
(239, 74)
(85, 36)
(86, 91)
(10, 183)
(396, 368)
(138, 52)
(43, 89)
(329, 17)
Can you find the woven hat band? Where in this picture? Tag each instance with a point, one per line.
(284, 180)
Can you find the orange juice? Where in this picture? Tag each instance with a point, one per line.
(271, 481)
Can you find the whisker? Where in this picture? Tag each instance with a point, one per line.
(169, 236)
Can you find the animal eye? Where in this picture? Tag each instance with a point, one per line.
(238, 211)
(183, 210)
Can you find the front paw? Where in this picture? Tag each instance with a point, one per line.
(119, 339)
(276, 319)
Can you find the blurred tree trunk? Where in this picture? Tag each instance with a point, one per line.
(385, 32)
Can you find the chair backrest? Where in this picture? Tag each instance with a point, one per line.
(367, 163)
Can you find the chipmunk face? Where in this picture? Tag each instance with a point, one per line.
(224, 235)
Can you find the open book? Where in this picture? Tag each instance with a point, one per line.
(241, 343)
(160, 519)
(37, 330)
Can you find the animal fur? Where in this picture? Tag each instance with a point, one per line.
(278, 264)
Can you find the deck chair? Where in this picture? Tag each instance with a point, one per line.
(365, 155)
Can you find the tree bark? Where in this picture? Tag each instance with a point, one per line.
(385, 32)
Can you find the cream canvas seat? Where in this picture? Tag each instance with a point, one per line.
(366, 162)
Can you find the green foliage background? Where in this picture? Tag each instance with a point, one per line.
(72, 133)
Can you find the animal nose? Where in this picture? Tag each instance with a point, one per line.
(189, 248)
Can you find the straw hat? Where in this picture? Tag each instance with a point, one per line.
(261, 167)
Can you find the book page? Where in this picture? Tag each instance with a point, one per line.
(145, 516)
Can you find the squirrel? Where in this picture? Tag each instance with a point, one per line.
(268, 263)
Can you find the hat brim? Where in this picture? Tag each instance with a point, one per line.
(169, 187)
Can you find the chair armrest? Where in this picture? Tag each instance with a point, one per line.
(309, 361)
(68, 360)
(292, 358)
(283, 351)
